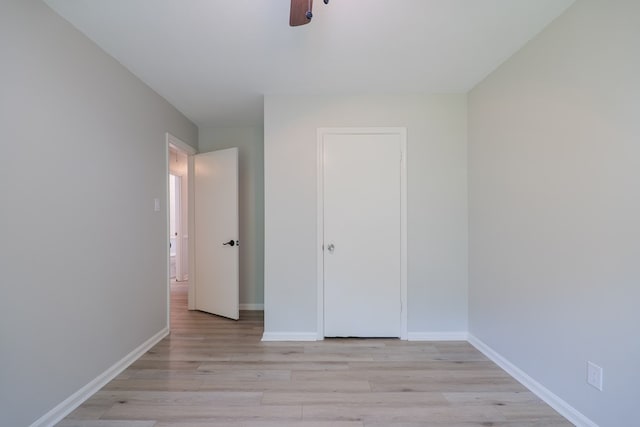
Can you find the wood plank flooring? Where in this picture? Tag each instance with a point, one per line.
(215, 372)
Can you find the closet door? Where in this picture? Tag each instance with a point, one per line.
(362, 234)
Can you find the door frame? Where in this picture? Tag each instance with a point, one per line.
(181, 146)
(402, 133)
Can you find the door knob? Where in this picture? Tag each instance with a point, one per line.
(331, 248)
(230, 243)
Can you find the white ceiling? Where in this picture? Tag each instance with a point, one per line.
(215, 59)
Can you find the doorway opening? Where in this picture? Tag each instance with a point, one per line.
(176, 272)
(178, 224)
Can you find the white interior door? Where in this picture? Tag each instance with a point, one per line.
(216, 233)
(362, 234)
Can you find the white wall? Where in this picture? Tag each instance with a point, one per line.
(249, 141)
(554, 173)
(83, 260)
(437, 204)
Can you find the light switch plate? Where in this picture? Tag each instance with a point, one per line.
(594, 375)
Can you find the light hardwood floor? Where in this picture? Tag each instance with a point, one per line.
(215, 372)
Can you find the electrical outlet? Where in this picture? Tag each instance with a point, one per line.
(594, 375)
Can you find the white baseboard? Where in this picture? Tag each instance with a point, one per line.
(252, 307)
(566, 410)
(290, 336)
(411, 336)
(76, 399)
(437, 336)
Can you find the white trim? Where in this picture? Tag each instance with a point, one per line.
(180, 145)
(76, 399)
(404, 326)
(438, 336)
(320, 236)
(402, 132)
(566, 410)
(167, 256)
(252, 307)
(290, 336)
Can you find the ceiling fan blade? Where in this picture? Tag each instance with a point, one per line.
(299, 10)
